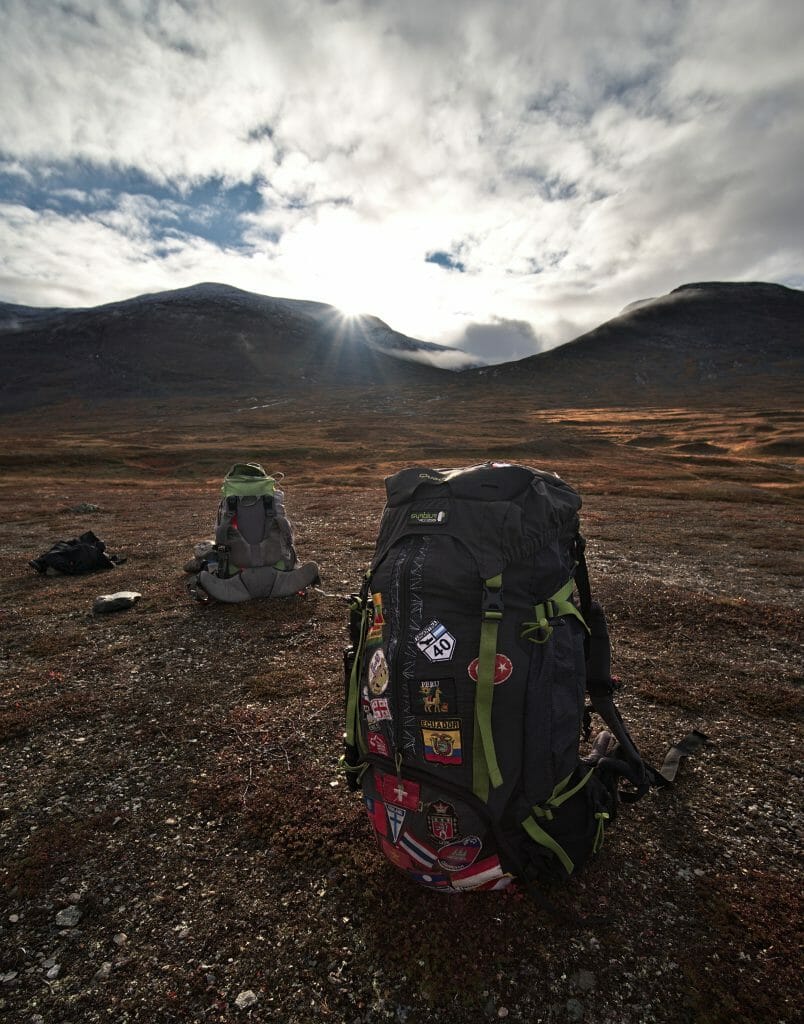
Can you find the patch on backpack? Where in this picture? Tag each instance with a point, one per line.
(396, 856)
(427, 517)
(435, 642)
(378, 673)
(442, 821)
(483, 874)
(417, 850)
(503, 667)
(374, 635)
(396, 818)
(380, 710)
(378, 744)
(377, 816)
(401, 792)
(434, 696)
(441, 739)
(459, 855)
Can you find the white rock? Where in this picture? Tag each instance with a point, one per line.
(245, 999)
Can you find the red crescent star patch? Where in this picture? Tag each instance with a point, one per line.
(503, 667)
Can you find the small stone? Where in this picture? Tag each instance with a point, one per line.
(120, 939)
(104, 972)
(503, 1011)
(53, 973)
(115, 602)
(584, 980)
(245, 999)
(68, 917)
(13, 918)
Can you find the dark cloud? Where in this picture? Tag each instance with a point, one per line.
(500, 341)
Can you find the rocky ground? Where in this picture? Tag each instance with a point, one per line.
(178, 843)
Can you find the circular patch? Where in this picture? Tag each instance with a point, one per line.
(462, 854)
(378, 673)
(503, 667)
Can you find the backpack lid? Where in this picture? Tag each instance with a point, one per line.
(500, 511)
(247, 479)
(490, 481)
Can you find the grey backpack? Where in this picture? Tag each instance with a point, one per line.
(252, 529)
(474, 644)
(254, 553)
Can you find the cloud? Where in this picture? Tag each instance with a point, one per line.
(500, 341)
(454, 168)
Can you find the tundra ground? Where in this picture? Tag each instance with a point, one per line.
(170, 773)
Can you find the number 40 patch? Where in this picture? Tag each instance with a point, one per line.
(435, 642)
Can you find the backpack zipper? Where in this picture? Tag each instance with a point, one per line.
(399, 654)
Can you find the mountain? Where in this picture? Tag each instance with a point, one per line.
(206, 339)
(708, 342)
(714, 341)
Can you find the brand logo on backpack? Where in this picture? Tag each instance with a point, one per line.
(435, 642)
(427, 517)
(442, 821)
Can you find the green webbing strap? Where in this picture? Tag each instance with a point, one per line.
(602, 817)
(540, 631)
(352, 732)
(561, 793)
(538, 835)
(484, 758)
(559, 796)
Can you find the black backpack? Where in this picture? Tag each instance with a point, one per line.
(475, 641)
(76, 556)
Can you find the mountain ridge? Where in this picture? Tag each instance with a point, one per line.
(706, 339)
(717, 339)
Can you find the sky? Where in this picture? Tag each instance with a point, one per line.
(501, 176)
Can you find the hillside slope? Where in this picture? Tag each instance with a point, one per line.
(717, 341)
(207, 339)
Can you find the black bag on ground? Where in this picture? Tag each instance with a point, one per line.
(76, 556)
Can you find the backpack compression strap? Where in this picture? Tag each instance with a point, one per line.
(354, 737)
(484, 757)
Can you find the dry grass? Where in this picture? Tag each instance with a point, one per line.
(172, 770)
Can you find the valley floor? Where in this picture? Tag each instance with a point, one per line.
(171, 772)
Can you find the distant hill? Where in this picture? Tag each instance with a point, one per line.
(719, 342)
(203, 340)
(709, 341)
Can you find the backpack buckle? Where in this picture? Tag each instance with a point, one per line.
(492, 603)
